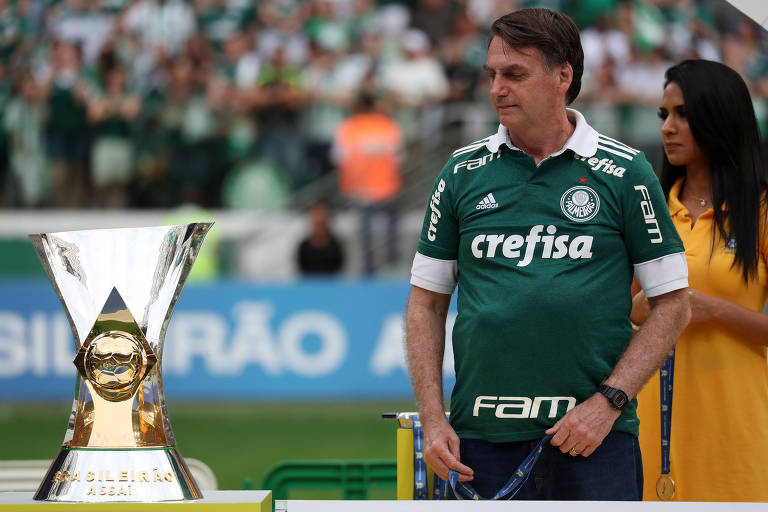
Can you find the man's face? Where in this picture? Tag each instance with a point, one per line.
(523, 93)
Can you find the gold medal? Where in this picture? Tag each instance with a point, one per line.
(665, 487)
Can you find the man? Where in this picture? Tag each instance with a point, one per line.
(368, 148)
(319, 253)
(541, 225)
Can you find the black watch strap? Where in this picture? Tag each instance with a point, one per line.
(618, 399)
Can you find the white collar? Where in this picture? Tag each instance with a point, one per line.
(583, 141)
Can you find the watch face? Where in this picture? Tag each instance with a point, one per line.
(617, 397)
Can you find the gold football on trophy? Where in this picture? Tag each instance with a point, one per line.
(114, 360)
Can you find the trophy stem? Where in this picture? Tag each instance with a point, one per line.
(131, 475)
(112, 424)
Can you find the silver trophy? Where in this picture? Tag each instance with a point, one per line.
(118, 288)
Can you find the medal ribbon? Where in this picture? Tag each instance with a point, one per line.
(420, 491)
(666, 382)
(419, 466)
(513, 485)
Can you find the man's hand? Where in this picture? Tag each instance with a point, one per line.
(584, 427)
(441, 450)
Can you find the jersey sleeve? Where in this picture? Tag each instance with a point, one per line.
(651, 238)
(435, 266)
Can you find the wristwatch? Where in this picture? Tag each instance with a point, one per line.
(618, 399)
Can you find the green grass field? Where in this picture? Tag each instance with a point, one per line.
(237, 440)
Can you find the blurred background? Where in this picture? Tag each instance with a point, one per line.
(234, 106)
(287, 341)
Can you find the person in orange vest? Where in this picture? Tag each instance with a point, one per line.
(367, 149)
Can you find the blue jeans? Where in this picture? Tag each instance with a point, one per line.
(613, 472)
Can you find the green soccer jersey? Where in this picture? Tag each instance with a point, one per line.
(543, 257)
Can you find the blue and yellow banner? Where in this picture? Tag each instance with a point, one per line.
(310, 339)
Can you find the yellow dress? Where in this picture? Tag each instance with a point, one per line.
(719, 440)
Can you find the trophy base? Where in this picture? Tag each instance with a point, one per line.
(106, 476)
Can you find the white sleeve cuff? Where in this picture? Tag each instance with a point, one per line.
(663, 275)
(433, 274)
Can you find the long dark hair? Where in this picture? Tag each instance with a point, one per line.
(720, 114)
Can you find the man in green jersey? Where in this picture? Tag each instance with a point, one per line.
(542, 226)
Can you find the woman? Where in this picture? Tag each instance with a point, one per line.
(716, 184)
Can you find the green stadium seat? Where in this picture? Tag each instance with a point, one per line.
(355, 478)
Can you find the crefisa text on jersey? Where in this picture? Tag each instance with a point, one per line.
(602, 164)
(487, 245)
(435, 215)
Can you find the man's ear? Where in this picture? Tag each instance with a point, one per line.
(565, 76)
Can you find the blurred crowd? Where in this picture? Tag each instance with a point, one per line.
(234, 103)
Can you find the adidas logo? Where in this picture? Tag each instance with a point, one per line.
(487, 203)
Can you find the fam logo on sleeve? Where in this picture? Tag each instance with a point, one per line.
(580, 203)
(646, 207)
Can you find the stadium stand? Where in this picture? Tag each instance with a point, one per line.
(232, 104)
(151, 103)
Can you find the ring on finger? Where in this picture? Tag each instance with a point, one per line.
(573, 452)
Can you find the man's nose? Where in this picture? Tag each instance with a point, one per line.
(499, 88)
